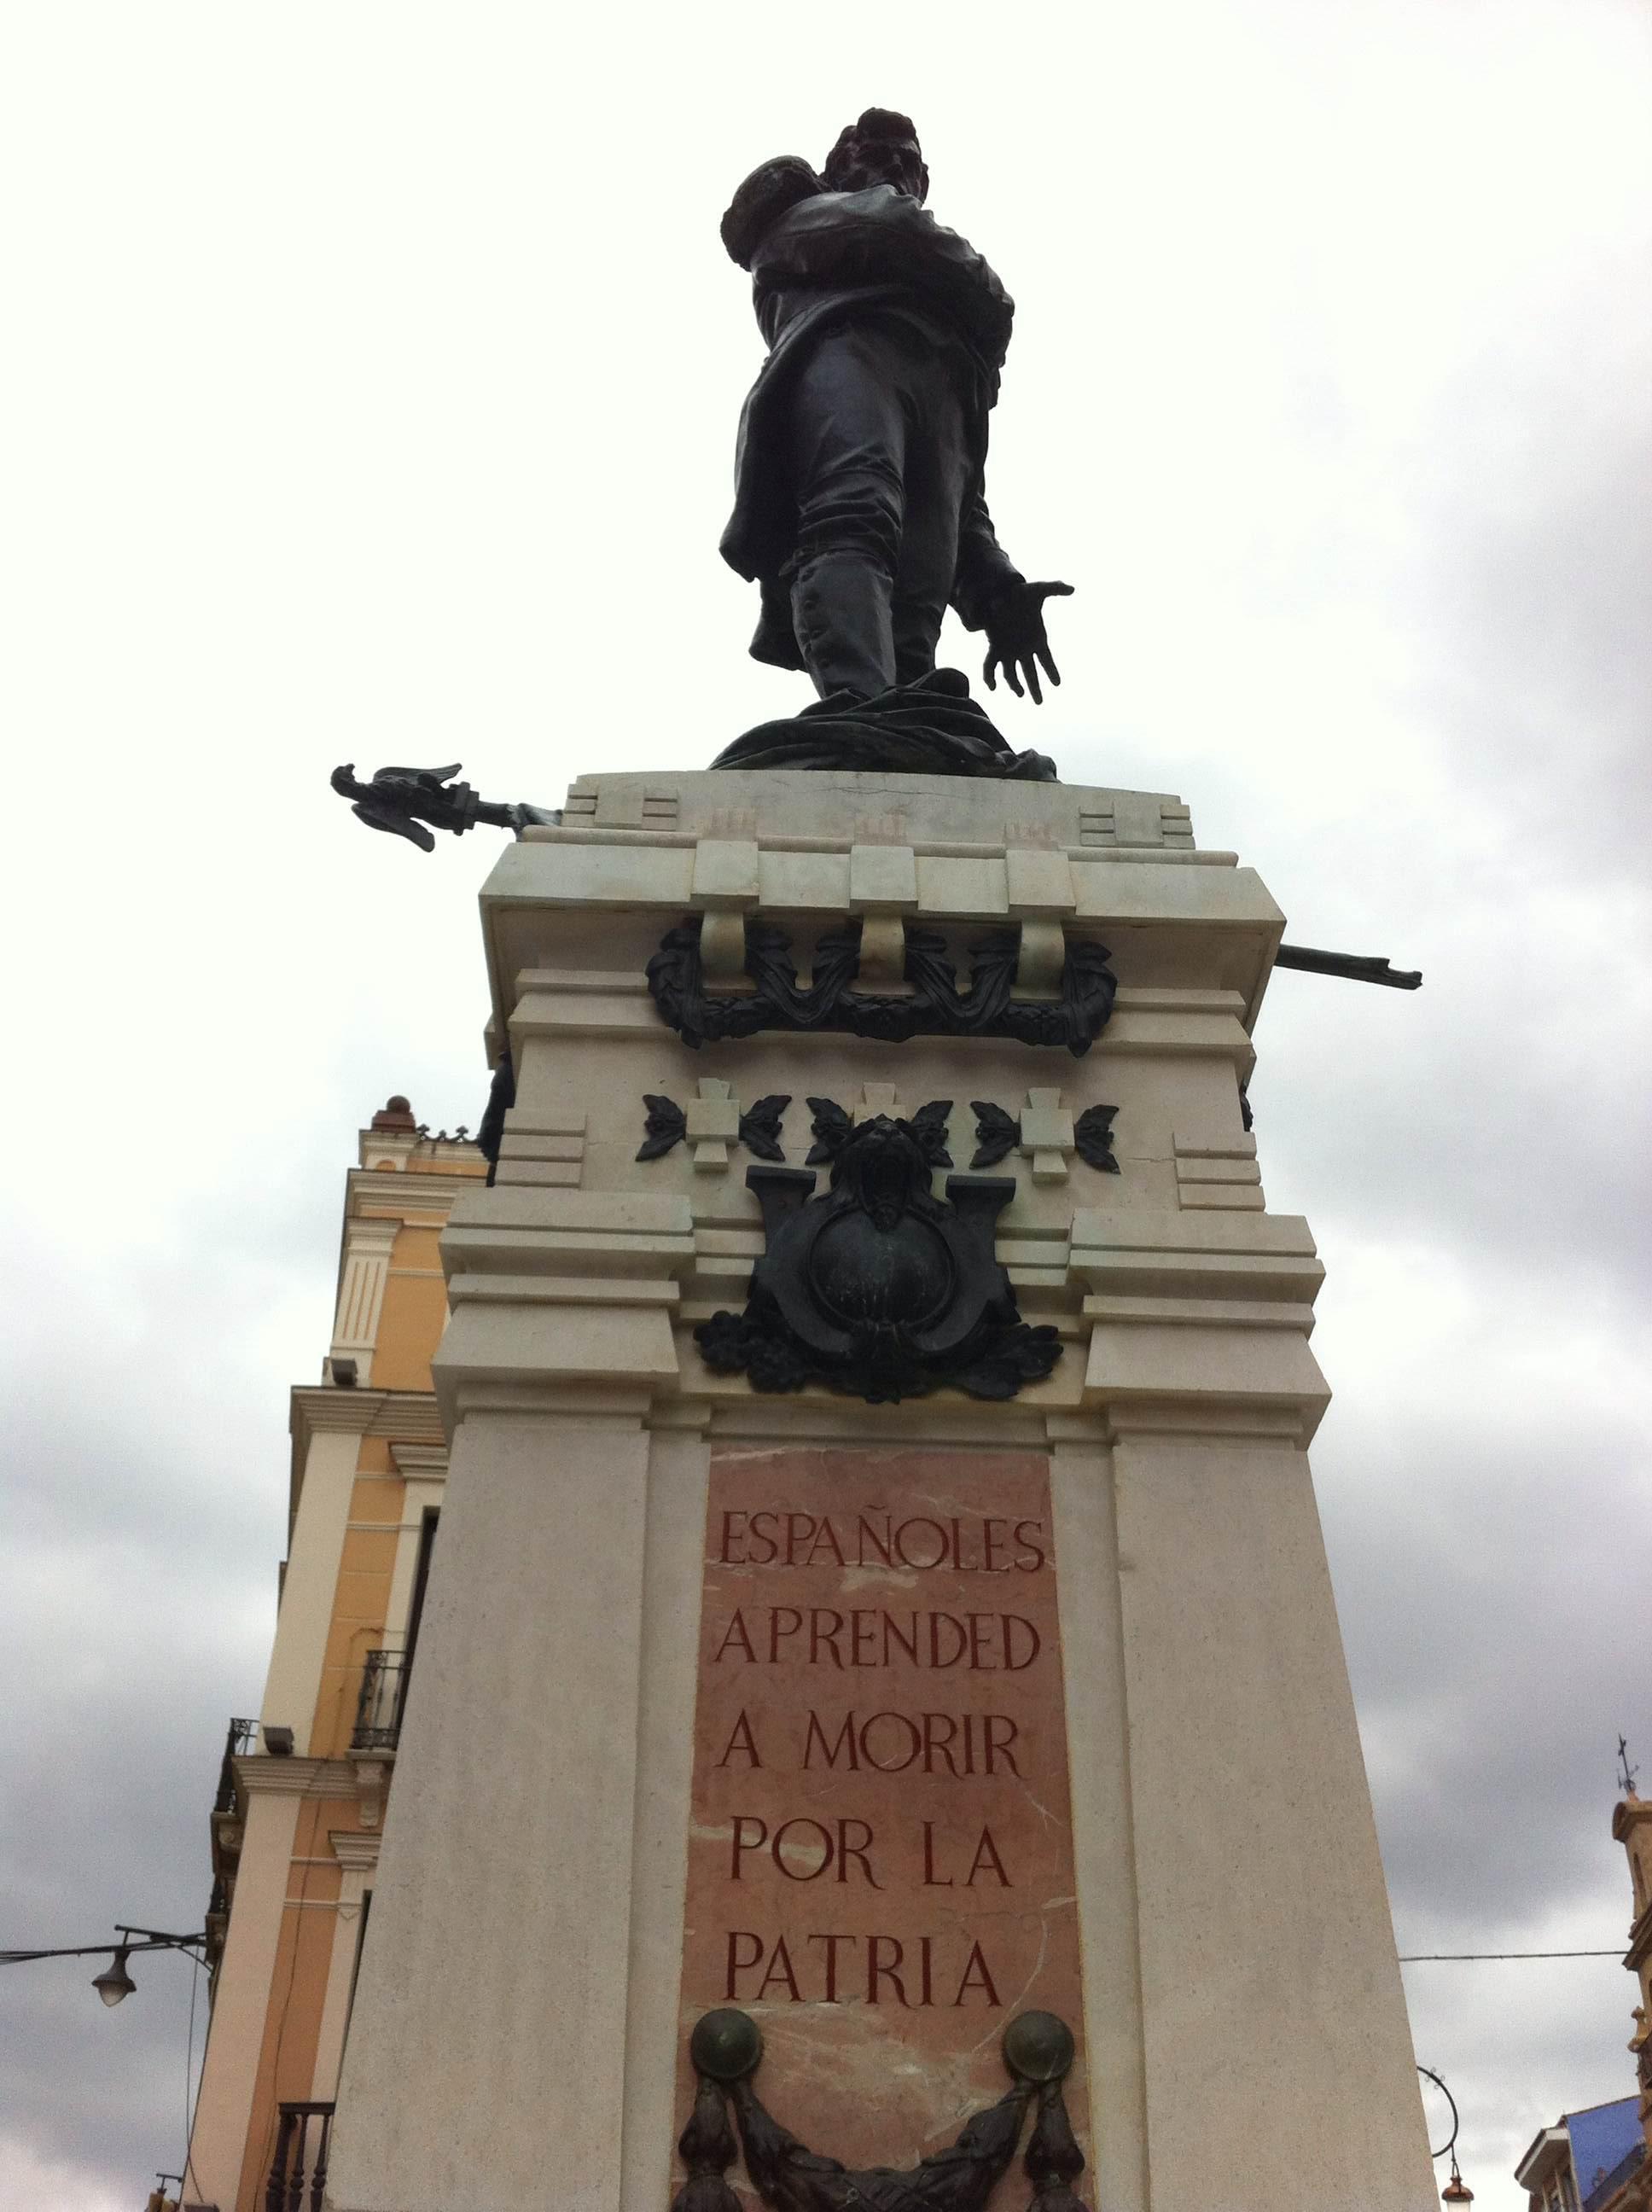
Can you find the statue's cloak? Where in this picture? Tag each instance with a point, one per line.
(830, 260)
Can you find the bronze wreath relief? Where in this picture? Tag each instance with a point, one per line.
(727, 2048)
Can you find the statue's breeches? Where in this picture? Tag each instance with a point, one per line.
(882, 469)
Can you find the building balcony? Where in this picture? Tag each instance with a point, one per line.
(298, 2173)
(378, 1708)
(228, 1828)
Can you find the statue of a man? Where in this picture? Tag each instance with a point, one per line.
(859, 507)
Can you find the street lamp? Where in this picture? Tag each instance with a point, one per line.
(115, 1982)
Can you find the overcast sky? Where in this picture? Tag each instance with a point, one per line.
(370, 395)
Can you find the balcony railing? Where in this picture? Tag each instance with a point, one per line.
(299, 2175)
(1609, 2184)
(379, 1708)
(242, 1737)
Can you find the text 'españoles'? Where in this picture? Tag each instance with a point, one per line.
(918, 1543)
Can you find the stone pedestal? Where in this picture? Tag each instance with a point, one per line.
(1101, 1757)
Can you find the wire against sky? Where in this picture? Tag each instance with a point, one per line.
(1421, 1958)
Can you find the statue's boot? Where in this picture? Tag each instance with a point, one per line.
(841, 606)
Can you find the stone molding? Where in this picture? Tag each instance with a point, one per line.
(1218, 1173)
(1178, 1322)
(559, 1003)
(1203, 1313)
(1175, 851)
(623, 805)
(353, 1850)
(372, 1781)
(547, 1147)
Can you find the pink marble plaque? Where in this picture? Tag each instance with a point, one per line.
(880, 1860)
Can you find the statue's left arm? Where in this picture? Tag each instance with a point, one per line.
(984, 569)
(991, 593)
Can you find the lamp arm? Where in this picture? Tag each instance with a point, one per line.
(154, 1939)
(1451, 2139)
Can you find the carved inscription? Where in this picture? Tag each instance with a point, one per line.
(880, 1863)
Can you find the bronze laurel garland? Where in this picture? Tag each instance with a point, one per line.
(934, 1006)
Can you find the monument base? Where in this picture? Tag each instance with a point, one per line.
(883, 1713)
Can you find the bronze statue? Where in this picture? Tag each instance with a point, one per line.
(859, 507)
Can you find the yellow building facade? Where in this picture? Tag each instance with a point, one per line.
(301, 1803)
(1631, 1824)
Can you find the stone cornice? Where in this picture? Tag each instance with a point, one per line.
(584, 1403)
(821, 1416)
(267, 1774)
(1081, 1429)
(371, 1232)
(354, 1849)
(692, 1415)
(408, 1416)
(1259, 1258)
(976, 884)
(420, 1462)
(395, 1194)
(1117, 865)
(1173, 1419)
(404, 1416)
(627, 1237)
(563, 1290)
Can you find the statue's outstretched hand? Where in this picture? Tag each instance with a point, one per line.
(1015, 641)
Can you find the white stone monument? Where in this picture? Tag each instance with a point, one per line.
(882, 1720)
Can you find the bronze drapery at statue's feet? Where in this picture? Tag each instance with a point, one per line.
(932, 727)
